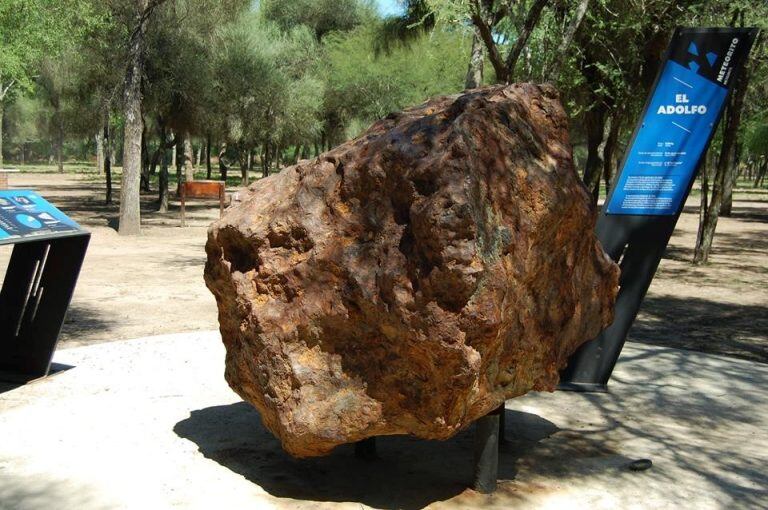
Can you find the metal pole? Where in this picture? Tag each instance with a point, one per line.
(487, 452)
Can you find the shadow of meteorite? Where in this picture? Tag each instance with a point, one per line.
(409, 473)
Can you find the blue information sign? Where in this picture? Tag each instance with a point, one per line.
(699, 69)
(25, 214)
(674, 133)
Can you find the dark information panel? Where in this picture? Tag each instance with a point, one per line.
(48, 253)
(25, 215)
(676, 127)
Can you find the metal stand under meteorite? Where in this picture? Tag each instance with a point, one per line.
(489, 436)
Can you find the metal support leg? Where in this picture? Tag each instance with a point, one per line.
(502, 425)
(34, 298)
(487, 452)
(366, 449)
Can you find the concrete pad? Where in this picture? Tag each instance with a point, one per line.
(151, 424)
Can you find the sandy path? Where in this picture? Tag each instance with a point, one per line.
(152, 284)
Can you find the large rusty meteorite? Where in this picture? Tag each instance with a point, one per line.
(411, 280)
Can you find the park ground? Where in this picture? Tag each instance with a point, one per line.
(152, 284)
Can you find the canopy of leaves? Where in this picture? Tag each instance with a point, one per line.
(364, 86)
(265, 79)
(299, 72)
(321, 16)
(30, 29)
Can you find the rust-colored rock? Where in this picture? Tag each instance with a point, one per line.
(411, 280)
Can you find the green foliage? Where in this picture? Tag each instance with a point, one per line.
(363, 87)
(279, 74)
(394, 31)
(31, 29)
(181, 47)
(320, 16)
(24, 117)
(266, 83)
(757, 138)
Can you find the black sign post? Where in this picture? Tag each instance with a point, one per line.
(48, 253)
(676, 127)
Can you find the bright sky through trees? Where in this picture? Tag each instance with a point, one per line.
(389, 7)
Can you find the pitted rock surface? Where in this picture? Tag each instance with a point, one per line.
(411, 280)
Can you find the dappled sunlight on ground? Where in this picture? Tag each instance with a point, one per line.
(155, 414)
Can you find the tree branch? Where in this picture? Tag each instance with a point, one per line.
(144, 16)
(534, 13)
(4, 91)
(570, 32)
(478, 19)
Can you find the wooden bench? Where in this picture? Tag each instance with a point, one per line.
(202, 189)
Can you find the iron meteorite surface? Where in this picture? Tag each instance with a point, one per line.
(411, 280)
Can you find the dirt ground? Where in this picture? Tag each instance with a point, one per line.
(153, 284)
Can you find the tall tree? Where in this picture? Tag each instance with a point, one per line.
(55, 82)
(30, 29)
(725, 160)
(130, 215)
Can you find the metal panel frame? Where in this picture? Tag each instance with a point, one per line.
(36, 293)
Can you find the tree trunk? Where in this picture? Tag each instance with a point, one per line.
(189, 167)
(159, 153)
(178, 147)
(296, 151)
(244, 156)
(223, 163)
(567, 39)
(130, 212)
(59, 144)
(144, 160)
(703, 202)
(760, 174)
(531, 20)
(708, 222)
(198, 155)
(265, 160)
(278, 158)
(609, 149)
(595, 125)
(208, 156)
(2, 115)
(155, 160)
(108, 158)
(727, 206)
(173, 154)
(162, 198)
(163, 186)
(99, 151)
(474, 77)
